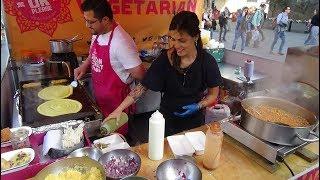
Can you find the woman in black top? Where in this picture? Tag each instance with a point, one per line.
(183, 74)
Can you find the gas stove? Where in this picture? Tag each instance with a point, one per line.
(270, 153)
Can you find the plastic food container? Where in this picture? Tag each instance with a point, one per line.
(180, 145)
(123, 145)
(114, 141)
(20, 139)
(11, 154)
(197, 139)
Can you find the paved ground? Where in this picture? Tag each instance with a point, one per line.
(292, 40)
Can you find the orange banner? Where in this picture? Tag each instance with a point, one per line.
(144, 20)
(39, 14)
(148, 19)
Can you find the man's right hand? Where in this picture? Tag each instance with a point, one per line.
(80, 71)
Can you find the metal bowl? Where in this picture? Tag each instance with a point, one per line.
(63, 165)
(178, 169)
(90, 152)
(187, 158)
(118, 153)
(134, 178)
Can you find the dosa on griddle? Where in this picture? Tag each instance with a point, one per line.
(59, 107)
(55, 92)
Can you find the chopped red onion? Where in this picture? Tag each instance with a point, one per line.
(121, 167)
(182, 175)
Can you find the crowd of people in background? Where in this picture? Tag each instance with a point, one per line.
(249, 26)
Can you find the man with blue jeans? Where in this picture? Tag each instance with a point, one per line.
(257, 21)
(279, 31)
(223, 23)
(241, 28)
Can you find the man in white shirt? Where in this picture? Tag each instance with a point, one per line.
(113, 58)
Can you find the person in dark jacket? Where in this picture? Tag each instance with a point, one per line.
(209, 23)
(314, 32)
(241, 28)
(223, 18)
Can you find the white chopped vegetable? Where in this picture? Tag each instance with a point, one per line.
(71, 136)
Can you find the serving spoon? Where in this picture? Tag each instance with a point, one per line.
(74, 83)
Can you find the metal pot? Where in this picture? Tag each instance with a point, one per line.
(277, 133)
(62, 45)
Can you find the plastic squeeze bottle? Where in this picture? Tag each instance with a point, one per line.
(213, 145)
(156, 136)
(248, 69)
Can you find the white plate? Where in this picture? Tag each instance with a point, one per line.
(8, 143)
(180, 145)
(8, 155)
(112, 140)
(197, 139)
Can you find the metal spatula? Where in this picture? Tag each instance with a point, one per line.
(74, 83)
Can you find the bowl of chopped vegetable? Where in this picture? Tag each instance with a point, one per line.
(120, 163)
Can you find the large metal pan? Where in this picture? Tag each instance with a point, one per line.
(62, 45)
(64, 164)
(277, 133)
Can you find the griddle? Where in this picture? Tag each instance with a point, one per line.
(29, 102)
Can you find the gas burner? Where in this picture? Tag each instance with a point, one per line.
(269, 151)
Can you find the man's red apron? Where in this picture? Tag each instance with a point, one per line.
(108, 88)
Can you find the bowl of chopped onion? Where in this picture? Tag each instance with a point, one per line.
(120, 163)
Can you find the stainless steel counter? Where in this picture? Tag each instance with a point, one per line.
(53, 73)
(227, 72)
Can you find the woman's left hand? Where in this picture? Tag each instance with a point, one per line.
(190, 109)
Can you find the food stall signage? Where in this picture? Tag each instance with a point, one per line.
(44, 15)
(150, 7)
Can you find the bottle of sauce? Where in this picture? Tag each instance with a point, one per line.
(213, 145)
(156, 136)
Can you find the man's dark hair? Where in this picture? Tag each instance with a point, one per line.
(101, 8)
(262, 5)
(285, 8)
